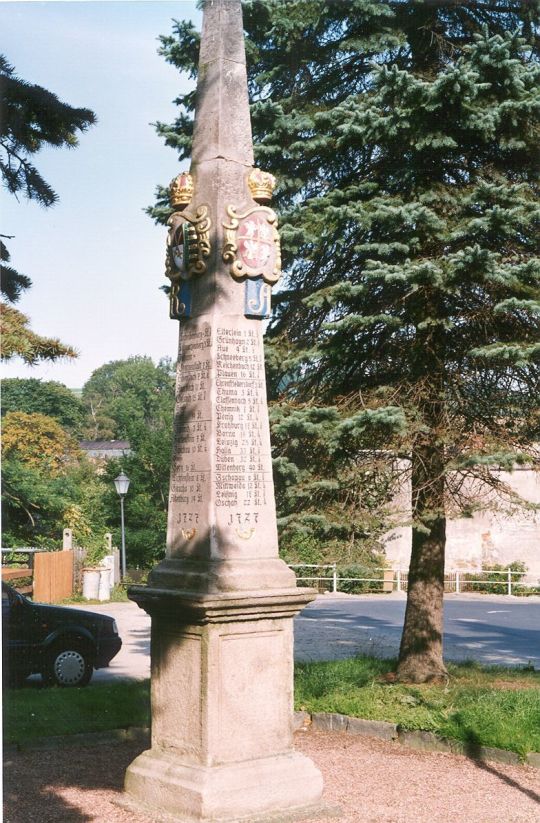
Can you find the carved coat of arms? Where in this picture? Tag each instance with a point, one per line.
(253, 251)
(252, 244)
(188, 245)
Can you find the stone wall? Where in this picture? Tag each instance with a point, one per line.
(484, 539)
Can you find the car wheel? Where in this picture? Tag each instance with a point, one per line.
(68, 665)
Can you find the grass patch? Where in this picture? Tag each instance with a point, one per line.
(486, 706)
(482, 706)
(118, 595)
(33, 712)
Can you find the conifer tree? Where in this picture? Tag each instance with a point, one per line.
(405, 137)
(30, 117)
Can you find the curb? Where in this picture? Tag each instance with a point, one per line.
(303, 721)
(420, 740)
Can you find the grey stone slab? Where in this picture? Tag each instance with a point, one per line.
(372, 728)
(533, 759)
(496, 755)
(301, 720)
(223, 117)
(222, 120)
(330, 722)
(429, 742)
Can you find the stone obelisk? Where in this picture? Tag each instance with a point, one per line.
(222, 602)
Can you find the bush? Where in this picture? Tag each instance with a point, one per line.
(322, 578)
(352, 586)
(488, 583)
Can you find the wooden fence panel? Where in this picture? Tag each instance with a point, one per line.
(53, 576)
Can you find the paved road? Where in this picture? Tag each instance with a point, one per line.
(489, 629)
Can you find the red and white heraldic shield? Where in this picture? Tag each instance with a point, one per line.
(251, 244)
(255, 241)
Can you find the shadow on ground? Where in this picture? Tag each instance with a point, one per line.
(473, 750)
(48, 786)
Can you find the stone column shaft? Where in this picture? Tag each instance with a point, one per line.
(222, 602)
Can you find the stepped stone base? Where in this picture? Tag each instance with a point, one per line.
(222, 710)
(219, 576)
(283, 787)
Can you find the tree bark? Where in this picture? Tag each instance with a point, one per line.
(421, 650)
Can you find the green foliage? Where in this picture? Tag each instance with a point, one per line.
(39, 441)
(489, 583)
(480, 707)
(96, 549)
(125, 397)
(18, 340)
(405, 140)
(37, 504)
(135, 399)
(354, 579)
(331, 496)
(48, 484)
(405, 143)
(33, 505)
(49, 398)
(145, 511)
(12, 283)
(46, 491)
(359, 586)
(31, 118)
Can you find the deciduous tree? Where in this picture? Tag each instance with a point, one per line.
(44, 475)
(44, 397)
(38, 441)
(134, 399)
(125, 397)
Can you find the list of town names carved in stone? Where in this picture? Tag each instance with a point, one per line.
(240, 443)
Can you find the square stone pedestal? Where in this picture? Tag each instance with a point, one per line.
(222, 710)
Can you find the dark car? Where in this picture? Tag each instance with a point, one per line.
(63, 645)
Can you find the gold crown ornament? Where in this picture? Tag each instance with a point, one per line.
(261, 185)
(181, 190)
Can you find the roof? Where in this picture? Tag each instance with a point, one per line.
(104, 445)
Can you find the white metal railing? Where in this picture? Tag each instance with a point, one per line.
(456, 580)
(333, 578)
(505, 578)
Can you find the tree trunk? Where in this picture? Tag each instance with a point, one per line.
(421, 651)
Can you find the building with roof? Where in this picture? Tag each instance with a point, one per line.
(105, 449)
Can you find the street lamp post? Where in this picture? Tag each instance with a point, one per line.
(122, 485)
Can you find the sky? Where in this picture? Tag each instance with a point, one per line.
(96, 260)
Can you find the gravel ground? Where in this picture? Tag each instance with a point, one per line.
(373, 782)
